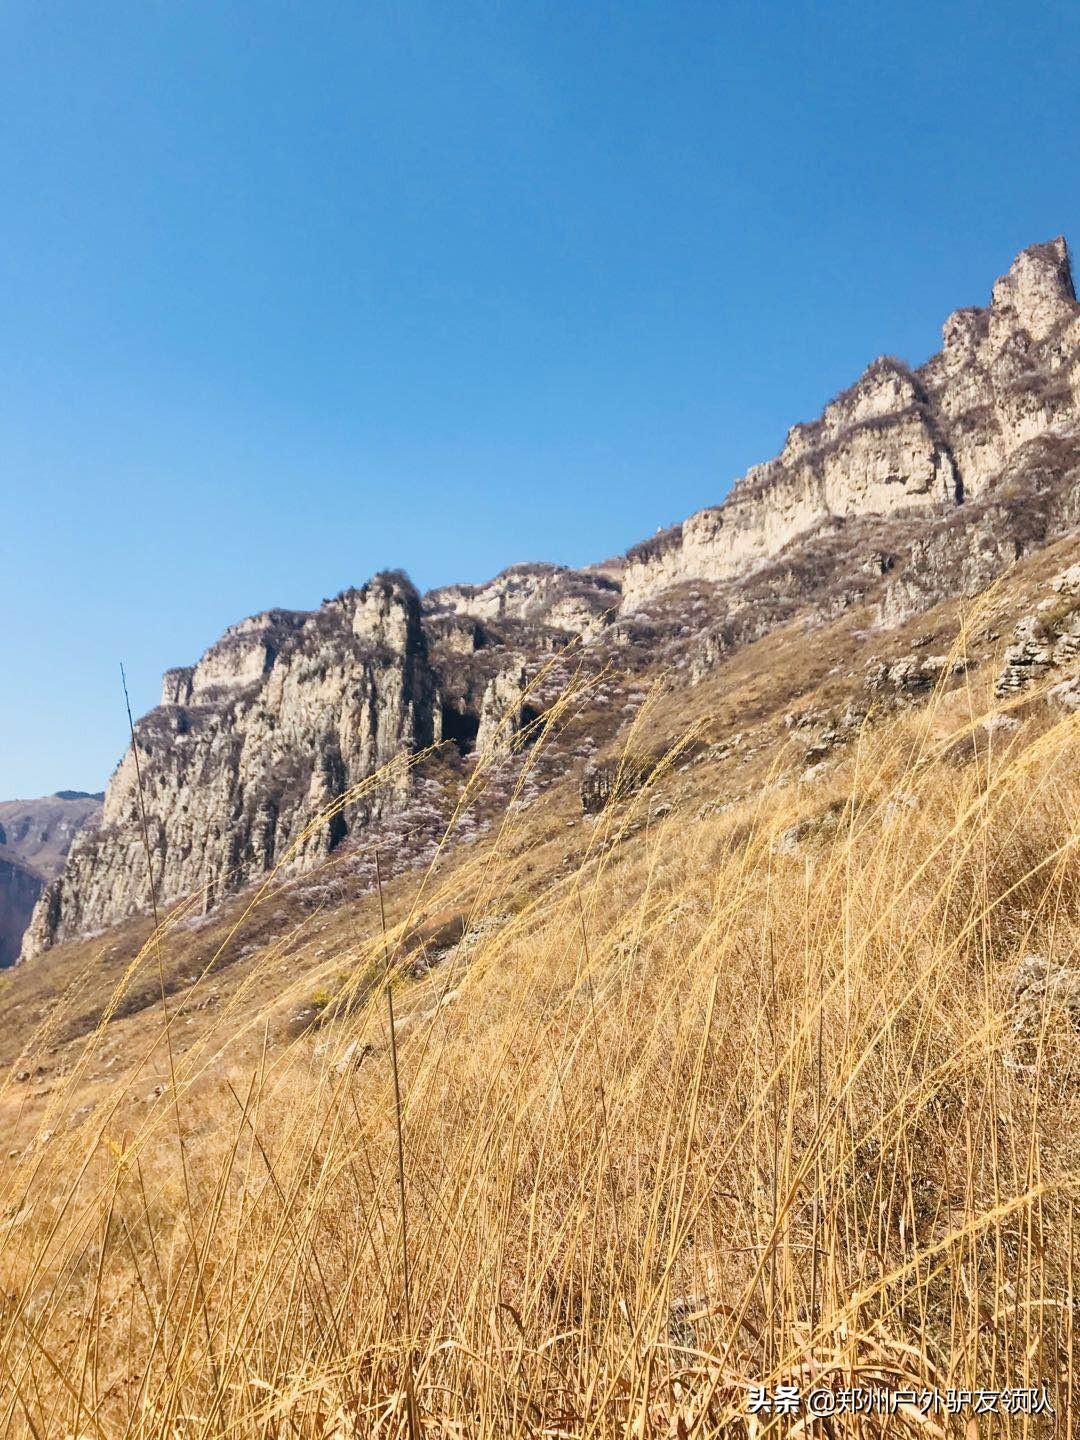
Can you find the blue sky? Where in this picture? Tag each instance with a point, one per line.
(290, 293)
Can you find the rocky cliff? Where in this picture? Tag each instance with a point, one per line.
(284, 713)
(899, 439)
(282, 717)
(913, 485)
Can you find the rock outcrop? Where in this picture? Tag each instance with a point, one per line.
(606, 782)
(284, 717)
(899, 439)
(1047, 643)
(579, 601)
(284, 714)
(913, 485)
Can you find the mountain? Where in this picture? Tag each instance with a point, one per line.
(693, 986)
(35, 837)
(913, 486)
(902, 439)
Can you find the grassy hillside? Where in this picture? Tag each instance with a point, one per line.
(767, 1074)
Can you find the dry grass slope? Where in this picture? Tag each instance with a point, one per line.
(700, 1111)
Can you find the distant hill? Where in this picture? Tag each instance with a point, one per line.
(35, 836)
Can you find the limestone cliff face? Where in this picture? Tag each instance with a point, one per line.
(899, 439)
(282, 715)
(577, 601)
(289, 711)
(912, 485)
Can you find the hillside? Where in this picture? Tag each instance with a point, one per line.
(717, 1082)
(559, 1006)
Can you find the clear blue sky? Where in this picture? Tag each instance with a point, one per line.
(290, 293)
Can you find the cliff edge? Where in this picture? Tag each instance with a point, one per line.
(912, 485)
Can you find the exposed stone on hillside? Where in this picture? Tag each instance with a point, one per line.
(607, 781)
(279, 718)
(914, 485)
(899, 439)
(819, 825)
(911, 675)
(819, 732)
(1047, 643)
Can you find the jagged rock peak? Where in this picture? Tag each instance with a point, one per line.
(899, 438)
(242, 656)
(385, 611)
(1038, 288)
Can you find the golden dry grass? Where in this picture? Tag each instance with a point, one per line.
(702, 1112)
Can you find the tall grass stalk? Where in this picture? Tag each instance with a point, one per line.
(700, 1110)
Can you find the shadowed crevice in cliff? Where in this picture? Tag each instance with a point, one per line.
(460, 727)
